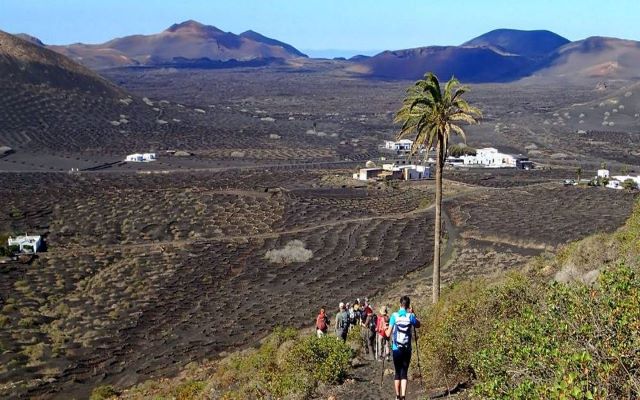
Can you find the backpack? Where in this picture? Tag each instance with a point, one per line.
(382, 326)
(352, 316)
(343, 323)
(402, 330)
(373, 322)
(321, 323)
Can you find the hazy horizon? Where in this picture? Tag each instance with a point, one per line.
(321, 29)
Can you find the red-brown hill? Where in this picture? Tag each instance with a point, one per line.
(180, 43)
(594, 58)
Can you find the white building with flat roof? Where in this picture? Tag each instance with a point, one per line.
(402, 145)
(490, 157)
(622, 178)
(141, 157)
(26, 243)
(407, 172)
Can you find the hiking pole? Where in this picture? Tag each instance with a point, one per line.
(382, 372)
(415, 337)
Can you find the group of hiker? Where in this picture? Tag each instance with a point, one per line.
(382, 335)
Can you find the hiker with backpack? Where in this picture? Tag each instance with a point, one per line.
(342, 322)
(383, 351)
(322, 323)
(354, 314)
(399, 330)
(369, 322)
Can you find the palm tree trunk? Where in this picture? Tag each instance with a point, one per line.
(438, 223)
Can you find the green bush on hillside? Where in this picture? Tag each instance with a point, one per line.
(189, 390)
(284, 365)
(580, 343)
(326, 359)
(567, 327)
(103, 392)
(463, 321)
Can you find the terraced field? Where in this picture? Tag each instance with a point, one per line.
(139, 280)
(541, 216)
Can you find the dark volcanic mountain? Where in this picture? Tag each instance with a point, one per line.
(501, 55)
(23, 63)
(255, 36)
(505, 55)
(181, 43)
(531, 44)
(49, 102)
(470, 64)
(30, 38)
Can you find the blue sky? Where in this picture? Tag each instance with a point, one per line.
(323, 27)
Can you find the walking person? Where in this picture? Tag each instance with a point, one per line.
(369, 323)
(342, 323)
(399, 331)
(382, 339)
(322, 323)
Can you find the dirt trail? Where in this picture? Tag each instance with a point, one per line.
(368, 382)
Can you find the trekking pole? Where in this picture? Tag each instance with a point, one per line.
(382, 372)
(415, 337)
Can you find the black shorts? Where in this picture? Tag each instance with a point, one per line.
(401, 361)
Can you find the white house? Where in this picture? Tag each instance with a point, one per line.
(622, 178)
(416, 172)
(603, 173)
(407, 172)
(403, 145)
(490, 157)
(26, 243)
(366, 174)
(141, 157)
(389, 144)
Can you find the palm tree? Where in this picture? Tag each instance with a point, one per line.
(430, 116)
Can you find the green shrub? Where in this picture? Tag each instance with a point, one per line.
(34, 352)
(15, 213)
(580, 343)
(189, 390)
(27, 322)
(103, 392)
(629, 184)
(284, 365)
(461, 323)
(326, 359)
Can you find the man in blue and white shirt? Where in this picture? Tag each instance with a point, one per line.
(400, 328)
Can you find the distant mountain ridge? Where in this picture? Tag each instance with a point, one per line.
(505, 55)
(189, 41)
(501, 55)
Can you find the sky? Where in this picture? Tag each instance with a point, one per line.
(323, 27)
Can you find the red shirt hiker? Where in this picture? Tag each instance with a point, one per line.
(322, 323)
